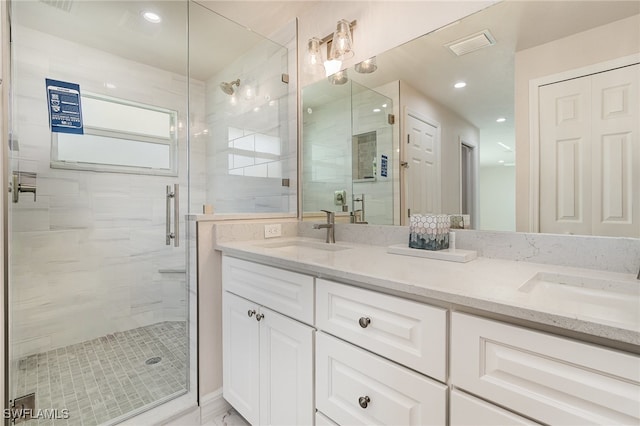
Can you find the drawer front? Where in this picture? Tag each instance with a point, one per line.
(410, 333)
(283, 291)
(347, 376)
(466, 410)
(551, 379)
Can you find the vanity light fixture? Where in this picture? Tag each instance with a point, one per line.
(152, 17)
(367, 66)
(339, 78)
(339, 47)
(460, 85)
(501, 120)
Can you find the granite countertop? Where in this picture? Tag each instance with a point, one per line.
(493, 285)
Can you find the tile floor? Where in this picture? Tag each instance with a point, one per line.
(104, 378)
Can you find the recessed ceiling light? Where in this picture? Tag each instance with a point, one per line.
(460, 85)
(501, 120)
(152, 17)
(376, 110)
(507, 147)
(384, 105)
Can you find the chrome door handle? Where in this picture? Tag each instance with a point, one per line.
(364, 322)
(364, 401)
(175, 235)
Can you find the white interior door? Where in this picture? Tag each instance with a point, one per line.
(423, 158)
(590, 155)
(616, 152)
(565, 157)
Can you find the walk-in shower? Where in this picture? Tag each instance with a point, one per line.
(101, 270)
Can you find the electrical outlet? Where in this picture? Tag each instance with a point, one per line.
(272, 230)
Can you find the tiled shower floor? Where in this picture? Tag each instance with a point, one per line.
(104, 378)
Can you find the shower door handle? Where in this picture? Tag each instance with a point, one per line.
(175, 196)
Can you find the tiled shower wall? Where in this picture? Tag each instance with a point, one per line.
(88, 257)
(251, 143)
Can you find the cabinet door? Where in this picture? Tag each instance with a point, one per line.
(240, 343)
(356, 387)
(286, 371)
(466, 410)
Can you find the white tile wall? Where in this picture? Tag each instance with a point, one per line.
(240, 180)
(86, 256)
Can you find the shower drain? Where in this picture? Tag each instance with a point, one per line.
(153, 360)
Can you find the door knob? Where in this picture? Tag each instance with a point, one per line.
(259, 317)
(251, 313)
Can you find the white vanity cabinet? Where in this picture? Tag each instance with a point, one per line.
(267, 356)
(548, 378)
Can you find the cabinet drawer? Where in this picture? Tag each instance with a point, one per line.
(469, 411)
(283, 291)
(410, 333)
(396, 395)
(549, 378)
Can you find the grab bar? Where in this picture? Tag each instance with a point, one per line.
(175, 235)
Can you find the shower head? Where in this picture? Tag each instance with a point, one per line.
(228, 87)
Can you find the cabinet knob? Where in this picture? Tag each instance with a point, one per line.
(251, 313)
(364, 322)
(364, 401)
(259, 317)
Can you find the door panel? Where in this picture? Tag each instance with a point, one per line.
(240, 343)
(616, 152)
(286, 371)
(423, 183)
(565, 158)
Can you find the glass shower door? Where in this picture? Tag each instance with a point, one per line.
(99, 318)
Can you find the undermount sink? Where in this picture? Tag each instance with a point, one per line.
(603, 299)
(296, 244)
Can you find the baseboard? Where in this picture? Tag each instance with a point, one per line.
(213, 405)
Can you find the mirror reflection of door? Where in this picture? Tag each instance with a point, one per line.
(423, 157)
(590, 154)
(468, 173)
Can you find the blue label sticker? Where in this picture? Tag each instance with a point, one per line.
(65, 110)
(383, 166)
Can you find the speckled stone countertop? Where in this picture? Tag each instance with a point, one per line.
(491, 285)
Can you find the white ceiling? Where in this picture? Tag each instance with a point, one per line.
(117, 27)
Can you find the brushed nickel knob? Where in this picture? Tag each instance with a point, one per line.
(364, 322)
(251, 313)
(364, 401)
(259, 317)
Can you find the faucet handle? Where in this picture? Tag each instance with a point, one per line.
(330, 216)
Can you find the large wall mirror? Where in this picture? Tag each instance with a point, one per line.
(524, 116)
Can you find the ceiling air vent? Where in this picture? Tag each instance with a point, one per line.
(59, 4)
(471, 43)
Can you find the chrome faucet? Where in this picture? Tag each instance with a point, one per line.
(330, 226)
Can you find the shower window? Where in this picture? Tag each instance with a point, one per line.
(119, 136)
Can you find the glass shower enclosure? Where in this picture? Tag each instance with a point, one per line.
(99, 318)
(125, 116)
